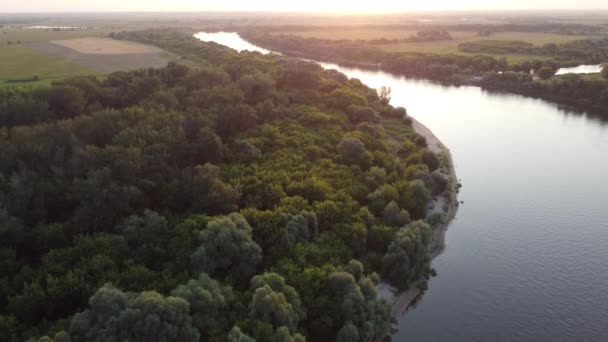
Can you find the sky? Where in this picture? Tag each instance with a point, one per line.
(335, 6)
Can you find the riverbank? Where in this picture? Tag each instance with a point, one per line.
(448, 206)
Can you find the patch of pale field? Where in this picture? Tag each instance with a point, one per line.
(438, 47)
(451, 46)
(106, 46)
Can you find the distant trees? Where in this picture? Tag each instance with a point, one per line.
(605, 71)
(572, 89)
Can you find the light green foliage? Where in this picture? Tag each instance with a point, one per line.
(355, 268)
(366, 314)
(236, 335)
(226, 246)
(284, 335)
(118, 316)
(408, 255)
(275, 302)
(209, 303)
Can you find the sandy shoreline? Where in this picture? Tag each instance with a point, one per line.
(400, 303)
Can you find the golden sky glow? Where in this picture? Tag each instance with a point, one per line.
(335, 6)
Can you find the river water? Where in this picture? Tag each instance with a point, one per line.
(581, 69)
(526, 258)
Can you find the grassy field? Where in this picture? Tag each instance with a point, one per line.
(20, 62)
(439, 47)
(43, 35)
(24, 59)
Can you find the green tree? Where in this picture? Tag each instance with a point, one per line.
(275, 302)
(226, 247)
(545, 72)
(408, 255)
(210, 303)
(65, 101)
(146, 316)
(395, 216)
(236, 335)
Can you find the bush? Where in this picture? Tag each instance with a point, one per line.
(545, 72)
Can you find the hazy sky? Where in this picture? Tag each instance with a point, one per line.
(292, 5)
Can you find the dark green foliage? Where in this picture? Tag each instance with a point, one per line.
(430, 159)
(210, 304)
(395, 216)
(180, 184)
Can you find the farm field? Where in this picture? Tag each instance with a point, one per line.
(51, 55)
(21, 62)
(105, 46)
(105, 55)
(439, 47)
(24, 35)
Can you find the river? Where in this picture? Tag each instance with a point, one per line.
(526, 258)
(581, 69)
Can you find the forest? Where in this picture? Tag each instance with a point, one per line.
(240, 197)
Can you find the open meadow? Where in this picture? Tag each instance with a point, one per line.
(20, 64)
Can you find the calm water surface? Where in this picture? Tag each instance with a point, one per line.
(581, 69)
(527, 256)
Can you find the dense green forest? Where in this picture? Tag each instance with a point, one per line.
(241, 197)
